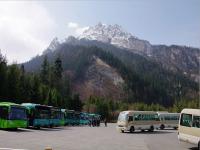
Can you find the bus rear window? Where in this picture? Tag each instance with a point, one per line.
(186, 120)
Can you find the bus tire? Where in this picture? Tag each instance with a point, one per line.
(199, 145)
(132, 129)
(162, 126)
(122, 131)
(151, 129)
(175, 128)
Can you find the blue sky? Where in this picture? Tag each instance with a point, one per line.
(158, 21)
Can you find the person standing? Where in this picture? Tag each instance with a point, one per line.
(105, 121)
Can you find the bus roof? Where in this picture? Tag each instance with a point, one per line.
(33, 105)
(167, 113)
(8, 104)
(191, 111)
(135, 111)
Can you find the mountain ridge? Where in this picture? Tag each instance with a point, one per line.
(150, 74)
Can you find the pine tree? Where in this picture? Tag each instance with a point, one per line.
(13, 83)
(44, 74)
(58, 68)
(3, 77)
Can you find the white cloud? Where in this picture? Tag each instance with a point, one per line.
(25, 29)
(76, 29)
(72, 25)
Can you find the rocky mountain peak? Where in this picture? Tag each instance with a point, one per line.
(52, 46)
(115, 35)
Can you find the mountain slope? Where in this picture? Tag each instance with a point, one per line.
(94, 71)
(174, 58)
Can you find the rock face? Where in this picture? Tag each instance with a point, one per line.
(180, 59)
(115, 35)
(102, 80)
(52, 46)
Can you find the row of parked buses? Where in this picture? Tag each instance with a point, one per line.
(35, 115)
(187, 122)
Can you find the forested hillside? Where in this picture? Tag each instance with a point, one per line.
(145, 80)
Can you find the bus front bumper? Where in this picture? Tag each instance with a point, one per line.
(122, 128)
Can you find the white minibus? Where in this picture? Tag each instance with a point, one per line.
(189, 126)
(137, 120)
(168, 120)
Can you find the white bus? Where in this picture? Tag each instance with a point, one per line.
(168, 120)
(189, 126)
(137, 120)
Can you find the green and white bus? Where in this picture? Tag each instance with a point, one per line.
(137, 120)
(168, 120)
(189, 126)
(12, 116)
(69, 119)
(57, 117)
(38, 115)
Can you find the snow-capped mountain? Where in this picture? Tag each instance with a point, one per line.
(174, 58)
(115, 35)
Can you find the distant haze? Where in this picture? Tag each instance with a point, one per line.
(27, 28)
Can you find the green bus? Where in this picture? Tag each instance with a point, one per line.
(57, 117)
(38, 115)
(94, 119)
(69, 118)
(84, 118)
(76, 118)
(12, 116)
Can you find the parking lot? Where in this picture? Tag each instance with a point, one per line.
(90, 138)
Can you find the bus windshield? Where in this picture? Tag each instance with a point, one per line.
(17, 113)
(122, 117)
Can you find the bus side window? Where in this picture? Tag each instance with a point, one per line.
(3, 113)
(186, 120)
(130, 118)
(196, 122)
(156, 118)
(136, 117)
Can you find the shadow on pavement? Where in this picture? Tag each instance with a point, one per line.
(148, 132)
(17, 130)
(52, 129)
(193, 148)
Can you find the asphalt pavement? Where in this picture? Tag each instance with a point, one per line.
(90, 138)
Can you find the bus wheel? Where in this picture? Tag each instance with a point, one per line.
(199, 145)
(162, 126)
(175, 128)
(151, 129)
(122, 131)
(132, 129)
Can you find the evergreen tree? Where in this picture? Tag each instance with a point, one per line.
(3, 77)
(22, 87)
(44, 74)
(13, 83)
(58, 69)
(35, 94)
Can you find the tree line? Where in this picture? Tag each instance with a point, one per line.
(110, 109)
(50, 86)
